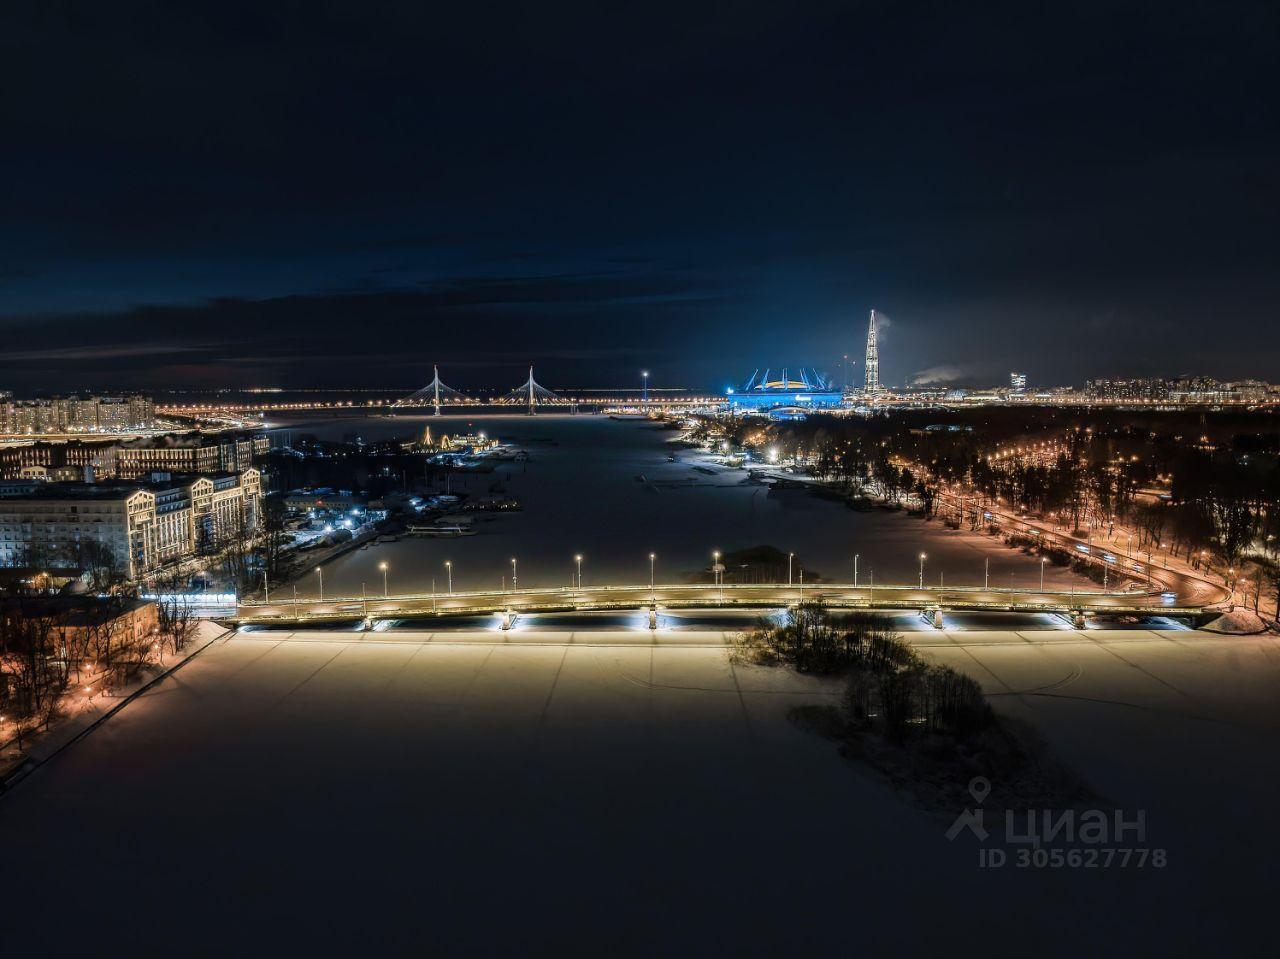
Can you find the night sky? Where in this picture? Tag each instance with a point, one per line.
(334, 194)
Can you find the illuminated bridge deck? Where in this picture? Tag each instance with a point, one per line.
(373, 609)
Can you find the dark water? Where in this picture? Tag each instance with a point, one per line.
(582, 495)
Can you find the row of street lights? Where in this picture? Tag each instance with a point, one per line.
(515, 578)
(717, 571)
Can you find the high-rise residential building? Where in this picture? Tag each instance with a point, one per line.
(1018, 383)
(1145, 389)
(77, 414)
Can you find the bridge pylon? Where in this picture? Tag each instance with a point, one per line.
(531, 392)
(434, 393)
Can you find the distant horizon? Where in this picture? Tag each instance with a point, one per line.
(474, 390)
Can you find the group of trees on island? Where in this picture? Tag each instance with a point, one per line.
(890, 689)
(1201, 486)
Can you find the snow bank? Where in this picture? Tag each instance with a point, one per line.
(1238, 622)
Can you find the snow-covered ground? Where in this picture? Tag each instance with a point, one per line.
(302, 795)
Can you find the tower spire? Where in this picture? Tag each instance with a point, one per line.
(872, 386)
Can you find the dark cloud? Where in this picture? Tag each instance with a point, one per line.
(580, 328)
(1071, 189)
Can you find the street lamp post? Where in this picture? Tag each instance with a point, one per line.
(320, 573)
(716, 574)
(266, 587)
(386, 593)
(922, 559)
(515, 583)
(644, 378)
(790, 557)
(448, 567)
(1043, 560)
(986, 574)
(578, 559)
(855, 570)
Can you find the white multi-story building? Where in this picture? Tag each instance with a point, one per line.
(143, 525)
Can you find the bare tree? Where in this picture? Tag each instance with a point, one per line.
(101, 564)
(178, 622)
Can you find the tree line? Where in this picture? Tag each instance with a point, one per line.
(1205, 488)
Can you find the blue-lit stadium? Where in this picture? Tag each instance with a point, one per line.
(784, 394)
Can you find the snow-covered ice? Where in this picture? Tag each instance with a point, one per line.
(346, 794)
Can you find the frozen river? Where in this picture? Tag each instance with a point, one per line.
(582, 494)
(403, 795)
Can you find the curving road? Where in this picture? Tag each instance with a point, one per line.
(1190, 588)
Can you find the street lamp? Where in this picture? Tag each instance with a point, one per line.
(448, 567)
(855, 570)
(320, 573)
(385, 592)
(715, 572)
(1043, 560)
(652, 558)
(578, 559)
(514, 580)
(644, 378)
(922, 559)
(790, 557)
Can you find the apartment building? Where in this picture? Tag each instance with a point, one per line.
(189, 453)
(77, 414)
(144, 525)
(104, 459)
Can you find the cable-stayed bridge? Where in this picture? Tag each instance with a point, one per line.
(530, 393)
(434, 394)
(438, 396)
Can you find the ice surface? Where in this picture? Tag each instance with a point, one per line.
(344, 794)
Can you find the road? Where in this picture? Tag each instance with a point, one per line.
(1191, 588)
